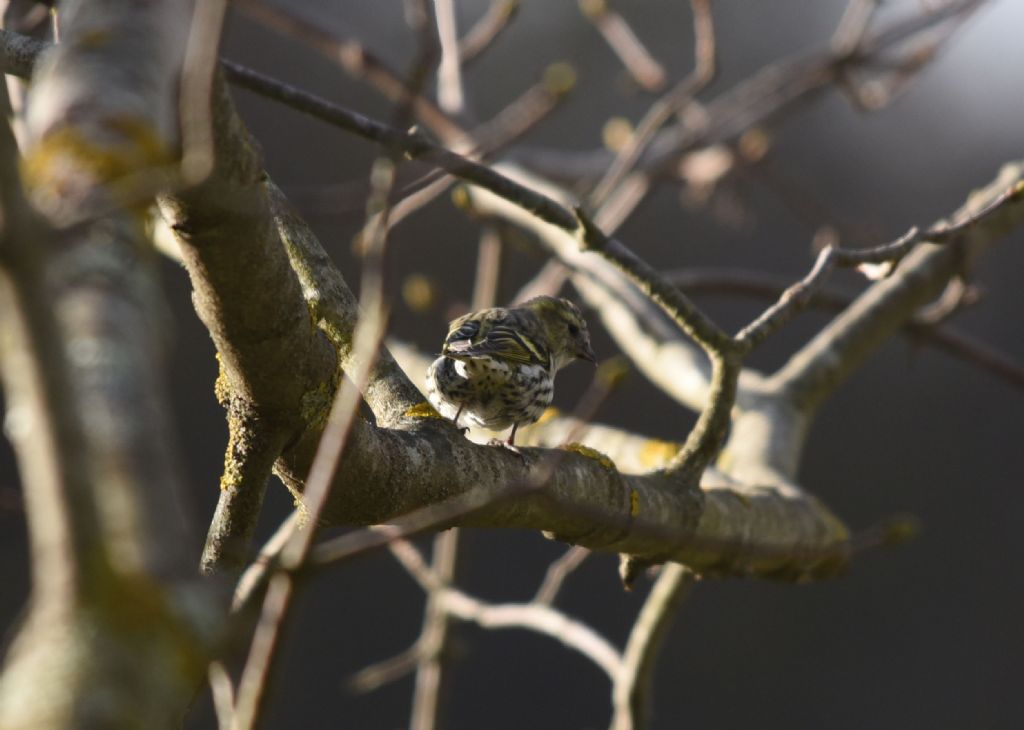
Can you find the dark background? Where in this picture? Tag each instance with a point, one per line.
(925, 635)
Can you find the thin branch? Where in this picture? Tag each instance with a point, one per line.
(853, 26)
(672, 301)
(557, 572)
(387, 671)
(540, 618)
(887, 255)
(413, 144)
(486, 30)
(922, 328)
(631, 689)
(646, 71)
(822, 364)
(368, 335)
(197, 77)
(488, 268)
(223, 694)
(356, 60)
(766, 95)
(666, 106)
(450, 94)
(516, 119)
(426, 700)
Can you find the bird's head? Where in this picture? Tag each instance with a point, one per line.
(564, 328)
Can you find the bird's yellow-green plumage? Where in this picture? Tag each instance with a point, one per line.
(497, 366)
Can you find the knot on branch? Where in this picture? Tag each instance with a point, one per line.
(590, 237)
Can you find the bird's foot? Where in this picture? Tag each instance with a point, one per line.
(506, 445)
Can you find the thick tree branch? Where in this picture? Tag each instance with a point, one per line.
(278, 370)
(387, 473)
(123, 650)
(42, 422)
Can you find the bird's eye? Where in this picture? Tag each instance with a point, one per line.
(574, 331)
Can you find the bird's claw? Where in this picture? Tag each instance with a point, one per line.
(506, 445)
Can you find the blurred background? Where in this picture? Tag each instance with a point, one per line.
(925, 635)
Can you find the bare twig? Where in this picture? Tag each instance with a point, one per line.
(427, 692)
(223, 693)
(488, 268)
(413, 144)
(557, 572)
(450, 94)
(922, 328)
(888, 255)
(672, 301)
(632, 684)
(853, 26)
(646, 71)
(479, 38)
(386, 671)
(197, 74)
(540, 618)
(356, 60)
(367, 337)
(517, 118)
(768, 94)
(664, 108)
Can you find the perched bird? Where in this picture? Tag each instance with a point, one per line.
(497, 366)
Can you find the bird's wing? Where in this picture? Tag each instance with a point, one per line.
(499, 338)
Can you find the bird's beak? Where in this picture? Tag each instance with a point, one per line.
(588, 355)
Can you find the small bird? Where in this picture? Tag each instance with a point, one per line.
(497, 366)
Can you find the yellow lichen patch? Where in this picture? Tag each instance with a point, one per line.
(94, 39)
(655, 453)
(460, 198)
(550, 413)
(634, 503)
(70, 158)
(422, 410)
(230, 479)
(613, 371)
(221, 386)
(130, 607)
(232, 476)
(316, 405)
(590, 453)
